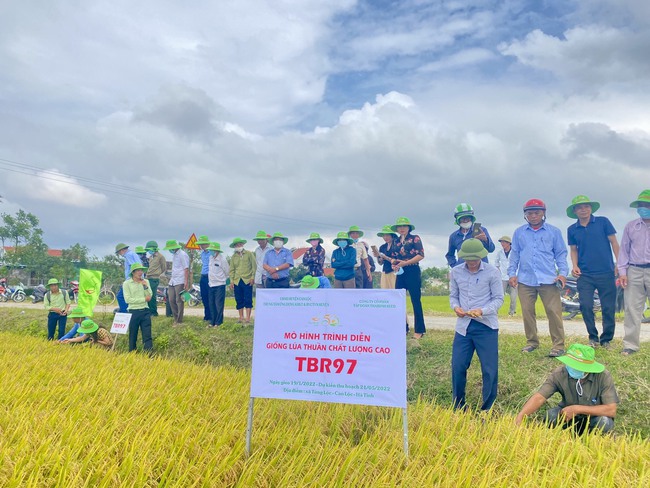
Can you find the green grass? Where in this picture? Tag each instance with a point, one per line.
(429, 361)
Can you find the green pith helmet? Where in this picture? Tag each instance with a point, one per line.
(313, 236)
(88, 327)
(53, 281)
(340, 236)
(582, 358)
(140, 250)
(402, 221)
(214, 246)
(261, 236)
(355, 228)
(76, 313)
(472, 249)
(135, 267)
(171, 244)
(386, 229)
(580, 199)
(463, 210)
(644, 197)
(202, 240)
(505, 239)
(309, 282)
(278, 235)
(120, 246)
(151, 246)
(237, 240)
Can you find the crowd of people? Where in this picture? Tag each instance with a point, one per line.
(529, 265)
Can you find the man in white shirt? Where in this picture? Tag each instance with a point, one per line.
(502, 261)
(217, 277)
(180, 280)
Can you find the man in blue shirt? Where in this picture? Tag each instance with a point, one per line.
(130, 258)
(464, 217)
(537, 263)
(475, 294)
(592, 240)
(277, 262)
(203, 242)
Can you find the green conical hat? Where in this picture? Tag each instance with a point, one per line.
(644, 197)
(202, 240)
(314, 235)
(582, 358)
(261, 236)
(76, 313)
(580, 199)
(214, 246)
(340, 236)
(278, 235)
(88, 327)
(237, 240)
(53, 281)
(171, 245)
(402, 221)
(472, 249)
(355, 228)
(120, 246)
(386, 229)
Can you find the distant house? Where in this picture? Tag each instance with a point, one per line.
(21, 272)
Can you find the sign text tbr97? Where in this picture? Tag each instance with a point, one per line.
(325, 365)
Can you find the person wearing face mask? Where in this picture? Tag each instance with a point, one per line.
(262, 239)
(142, 254)
(179, 281)
(242, 278)
(218, 271)
(538, 262)
(157, 268)
(344, 259)
(203, 242)
(314, 258)
(362, 268)
(277, 262)
(589, 398)
(464, 217)
(634, 271)
(130, 258)
(591, 241)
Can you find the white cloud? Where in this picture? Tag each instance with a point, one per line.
(54, 187)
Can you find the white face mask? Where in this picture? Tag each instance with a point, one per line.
(465, 225)
(278, 244)
(239, 249)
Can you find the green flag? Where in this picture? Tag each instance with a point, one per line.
(90, 283)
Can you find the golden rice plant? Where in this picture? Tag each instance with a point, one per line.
(79, 416)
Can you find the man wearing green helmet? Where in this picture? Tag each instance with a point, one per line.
(465, 219)
(157, 269)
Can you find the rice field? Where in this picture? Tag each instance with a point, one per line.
(79, 416)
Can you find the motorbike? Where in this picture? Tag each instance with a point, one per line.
(571, 301)
(161, 295)
(38, 294)
(16, 293)
(196, 296)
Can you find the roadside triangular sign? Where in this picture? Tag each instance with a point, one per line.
(191, 243)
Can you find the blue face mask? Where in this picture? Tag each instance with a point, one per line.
(644, 212)
(342, 243)
(149, 253)
(214, 253)
(574, 373)
(356, 240)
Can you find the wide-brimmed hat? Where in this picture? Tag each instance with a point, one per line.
(355, 228)
(386, 229)
(151, 246)
(88, 327)
(202, 240)
(472, 249)
(402, 221)
(76, 313)
(579, 200)
(313, 236)
(171, 244)
(340, 236)
(120, 246)
(582, 358)
(214, 246)
(505, 239)
(237, 240)
(140, 250)
(644, 197)
(261, 236)
(309, 282)
(278, 235)
(135, 267)
(53, 281)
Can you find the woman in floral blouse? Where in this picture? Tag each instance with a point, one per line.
(314, 258)
(410, 252)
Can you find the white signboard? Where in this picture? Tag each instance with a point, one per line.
(330, 345)
(121, 323)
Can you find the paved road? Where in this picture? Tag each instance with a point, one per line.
(573, 327)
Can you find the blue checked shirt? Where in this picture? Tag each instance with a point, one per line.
(130, 258)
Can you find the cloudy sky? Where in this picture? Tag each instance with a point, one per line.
(129, 121)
